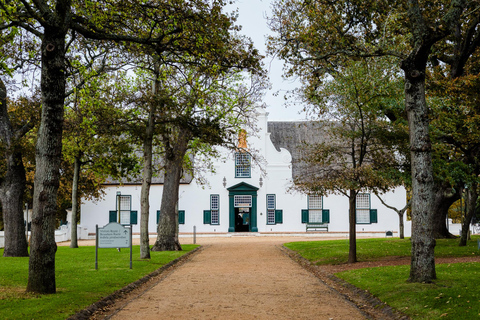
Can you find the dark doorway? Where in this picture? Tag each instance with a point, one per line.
(242, 210)
(242, 219)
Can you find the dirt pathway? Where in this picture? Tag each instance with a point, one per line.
(239, 278)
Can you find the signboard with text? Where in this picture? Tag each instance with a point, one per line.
(114, 235)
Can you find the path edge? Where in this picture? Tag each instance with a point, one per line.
(111, 299)
(370, 305)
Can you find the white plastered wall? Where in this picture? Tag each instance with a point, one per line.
(195, 198)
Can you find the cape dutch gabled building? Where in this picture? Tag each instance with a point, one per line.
(240, 198)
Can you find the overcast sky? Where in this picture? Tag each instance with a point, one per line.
(252, 18)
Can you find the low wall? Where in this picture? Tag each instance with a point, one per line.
(63, 233)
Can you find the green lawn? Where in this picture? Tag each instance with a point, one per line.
(454, 295)
(78, 283)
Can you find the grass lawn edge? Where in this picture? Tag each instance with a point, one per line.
(370, 305)
(123, 292)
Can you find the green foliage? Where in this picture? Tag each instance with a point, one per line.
(455, 212)
(455, 123)
(362, 148)
(94, 133)
(318, 39)
(79, 284)
(18, 50)
(201, 100)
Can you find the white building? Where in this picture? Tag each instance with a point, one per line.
(241, 199)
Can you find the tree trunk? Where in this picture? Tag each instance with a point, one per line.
(146, 182)
(442, 201)
(41, 272)
(471, 203)
(12, 189)
(352, 252)
(401, 225)
(423, 243)
(167, 238)
(12, 186)
(73, 223)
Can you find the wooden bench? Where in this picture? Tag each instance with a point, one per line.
(316, 226)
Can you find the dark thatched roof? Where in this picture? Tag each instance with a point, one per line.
(295, 136)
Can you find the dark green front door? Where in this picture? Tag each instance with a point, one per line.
(243, 218)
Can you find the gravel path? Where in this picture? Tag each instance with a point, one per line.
(239, 278)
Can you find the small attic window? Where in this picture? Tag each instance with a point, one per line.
(242, 165)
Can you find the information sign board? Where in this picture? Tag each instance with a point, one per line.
(114, 235)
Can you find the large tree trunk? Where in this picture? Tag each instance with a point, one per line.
(73, 223)
(471, 203)
(167, 238)
(41, 272)
(146, 182)
(442, 201)
(423, 243)
(423, 38)
(352, 252)
(12, 186)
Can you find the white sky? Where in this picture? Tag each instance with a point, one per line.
(252, 18)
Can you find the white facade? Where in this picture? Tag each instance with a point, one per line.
(195, 199)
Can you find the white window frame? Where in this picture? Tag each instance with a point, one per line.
(362, 208)
(315, 208)
(124, 208)
(215, 209)
(243, 165)
(242, 201)
(271, 206)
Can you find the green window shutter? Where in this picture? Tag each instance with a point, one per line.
(133, 217)
(278, 216)
(112, 216)
(373, 216)
(326, 216)
(304, 215)
(207, 217)
(181, 216)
